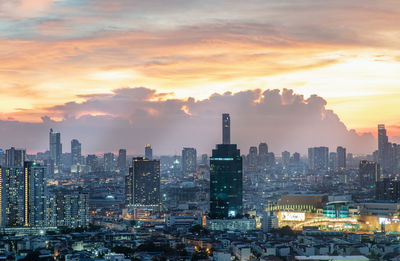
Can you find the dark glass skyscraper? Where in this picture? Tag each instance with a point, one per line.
(148, 152)
(122, 159)
(55, 147)
(226, 180)
(368, 172)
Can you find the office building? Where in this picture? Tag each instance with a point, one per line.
(76, 152)
(368, 172)
(318, 158)
(55, 147)
(296, 157)
(144, 175)
(332, 161)
(204, 159)
(341, 158)
(189, 161)
(122, 159)
(108, 161)
(15, 157)
(263, 155)
(148, 152)
(226, 181)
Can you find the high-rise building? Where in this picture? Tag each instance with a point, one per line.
(76, 152)
(189, 161)
(121, 159)
(252, 159)
(72, 208)
(318, 158)
(148, 152)
(204, 159)
(93, 162)
(226, 129)
(388, 190)
(368, 172)
(226, 180)
(145, 177)
(23, 197)
(55, 147)
(341, 158)
(263, 155)
(15, 157)
(332, 161)
(296, 157)
(108, 161)
(285, 158)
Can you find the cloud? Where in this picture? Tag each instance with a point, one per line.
(132, 117)
(21, 9)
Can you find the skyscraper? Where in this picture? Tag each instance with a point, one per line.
(145, 177)
(318, 158)
(93, 162)
(76, 152)
(226, 181)
(15, 157)
(285, 158)
(121, 159)
(148, 152)
(55, 147)
(252, 159)
(368, 172)
(263, 155)
(226, 128)
(108, 161)
(189, 161)
(387, 189)
(383, 147)
(341, 158)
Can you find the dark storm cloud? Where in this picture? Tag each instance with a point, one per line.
(132, 117)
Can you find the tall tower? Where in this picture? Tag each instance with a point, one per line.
(55, 147)
(383, 148)
(226, 129)
(76, 152)
(341, 158)
(226, 180)
(122, 159)
(15, 157)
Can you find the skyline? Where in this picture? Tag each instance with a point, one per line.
(57, 51)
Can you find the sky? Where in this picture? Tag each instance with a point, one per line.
(92, 63)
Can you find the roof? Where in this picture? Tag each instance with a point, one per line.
(360, 258)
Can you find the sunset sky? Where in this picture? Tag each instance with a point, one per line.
(58, 52)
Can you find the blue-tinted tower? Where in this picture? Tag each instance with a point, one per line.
(226, 181)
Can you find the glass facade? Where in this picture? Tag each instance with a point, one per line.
(226, 199)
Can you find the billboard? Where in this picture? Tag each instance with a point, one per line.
(293, 216)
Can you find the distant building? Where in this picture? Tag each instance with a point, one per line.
(108, 161)
(252, 159)
(148, 152)
(204, 159)
(226, 181)
(76, 152)
(55, 147)
(318, 158)
(121, 159)
(296, 157)
(263, 155)
(15, 157)
(285, 158)
(93, 162)
(368, 173)
(341, 158)
(332, 160)
(189, 161)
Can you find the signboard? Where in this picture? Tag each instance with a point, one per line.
(293, 216)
